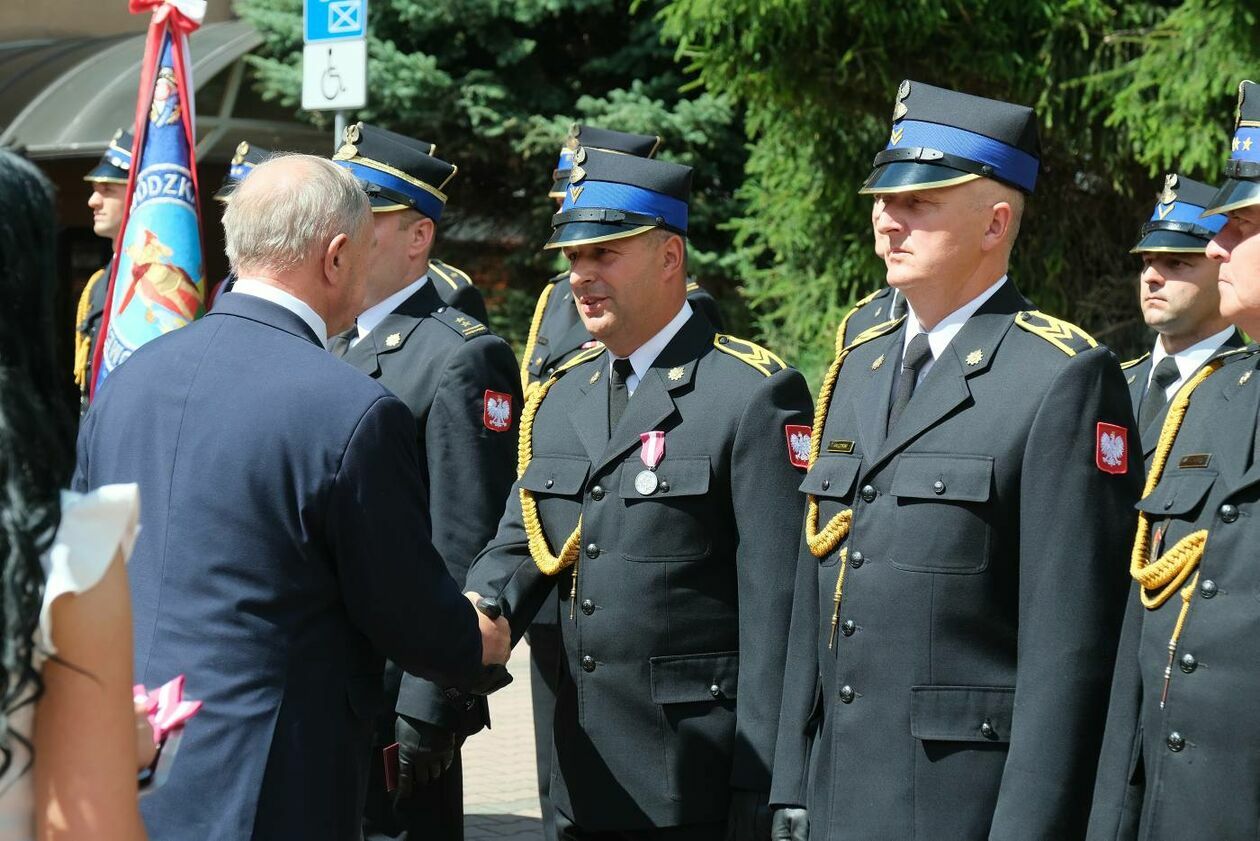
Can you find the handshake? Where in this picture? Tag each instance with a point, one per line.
(496, 645)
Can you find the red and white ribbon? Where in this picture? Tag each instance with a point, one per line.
(167, 709)
(653, 448)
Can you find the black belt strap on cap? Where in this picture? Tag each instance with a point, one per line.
(1242, 169)
(1178, 227)
(611, 217)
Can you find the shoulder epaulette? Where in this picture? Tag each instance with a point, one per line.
(1124, 366)
(459, 321)
(454, 277)
(1066, 337)
(750, 353)
(876, 330)
(692, 286)
(583, 357)
(1237, 353)
(559, 277)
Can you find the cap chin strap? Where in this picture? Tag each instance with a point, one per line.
(1243, 169)
(1179, 228)
(612, 217)
(377, 191)
(924, 155)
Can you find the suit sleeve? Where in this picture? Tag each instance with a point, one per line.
(471, 468)
(1076, 527)
(768, 515)
(395, 587)
(1117, 798)
(800, 685)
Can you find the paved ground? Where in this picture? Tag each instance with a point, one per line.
(500, 785)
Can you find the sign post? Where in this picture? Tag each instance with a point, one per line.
(334, 58)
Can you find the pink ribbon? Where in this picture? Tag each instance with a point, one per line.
(185, 16)
(653, 448)
(167, 709)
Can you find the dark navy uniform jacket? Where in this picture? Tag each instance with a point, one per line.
(1191, 768)
(284, 547)
(456, 288)
(674, 630)
(964, 693)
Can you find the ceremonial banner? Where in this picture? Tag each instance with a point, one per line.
(157, 282)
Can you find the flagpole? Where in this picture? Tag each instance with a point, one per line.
(339, 129)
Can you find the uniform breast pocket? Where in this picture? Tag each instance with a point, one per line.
(556, 482)
(830, 481)
(942, 513)
(672, 523)
(1178, 494)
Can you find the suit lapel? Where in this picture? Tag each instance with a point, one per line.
(1150, 435)
(589, 416)
(394, 329)
(874, 393)
(1136, 377)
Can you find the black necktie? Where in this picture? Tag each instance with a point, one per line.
(618, 394)
(340, 343)
(1166, 373)
(918, 352)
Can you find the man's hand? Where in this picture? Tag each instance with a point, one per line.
(791, 823)
(749, 816)
(496, 635)
(424, 752)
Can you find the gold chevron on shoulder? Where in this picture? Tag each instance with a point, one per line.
(583, 357)
(877, 330)
(1065, 336)
(1124, 366)
(753, 354)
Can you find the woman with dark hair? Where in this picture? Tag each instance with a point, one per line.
(69, 746)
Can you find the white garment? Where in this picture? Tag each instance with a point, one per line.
(641, 360)
(261, 289)
(94, 529)
(946, 329)
(375, 314)
(1189, 360)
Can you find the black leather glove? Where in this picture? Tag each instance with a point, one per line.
(749, 816)
(790, 823)
(424, 752)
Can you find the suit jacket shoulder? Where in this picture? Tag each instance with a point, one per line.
(1064, 336)
(754, 356)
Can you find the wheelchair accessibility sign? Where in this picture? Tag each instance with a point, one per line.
(334, 20)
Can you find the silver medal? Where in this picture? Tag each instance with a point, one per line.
(646, 482)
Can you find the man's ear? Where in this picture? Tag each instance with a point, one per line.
(421, 239)
(672, 253)
(999, 227)
(334, 258)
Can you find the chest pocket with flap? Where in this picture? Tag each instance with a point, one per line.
(832, 477)
(673, 523)
(557, 482)
(1178, 493)
(942, 512)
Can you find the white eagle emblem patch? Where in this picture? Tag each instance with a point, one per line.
(1112, 450)
(798, 444)
(497, 411)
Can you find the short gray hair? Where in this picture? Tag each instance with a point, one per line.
(288, 209)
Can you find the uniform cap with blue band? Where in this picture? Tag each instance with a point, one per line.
(243, 162)
(1242, 185)
(1177, 223)
(941, 137)
(615, 195)
(398, 172)
(608, 140)
(115, 165)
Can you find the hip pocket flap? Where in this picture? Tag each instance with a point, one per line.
(962, 713)
(560, 475)
(686, 678)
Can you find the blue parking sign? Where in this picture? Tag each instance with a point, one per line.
(334, 20)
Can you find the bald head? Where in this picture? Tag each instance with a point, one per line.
(303, 224)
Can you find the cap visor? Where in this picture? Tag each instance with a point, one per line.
(904, 176)
(1170, 241)
(225, 191)
(584, 233)
(108, 173)
(380, 204)
(1234, 193)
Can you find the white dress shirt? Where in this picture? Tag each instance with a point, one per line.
(262, 289)
(375, 314)
(946, 329)
(1189, 360)
(641, 360)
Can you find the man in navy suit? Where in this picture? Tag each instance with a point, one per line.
(285, 541)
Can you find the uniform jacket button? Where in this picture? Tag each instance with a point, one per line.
(1229, 513)
(664, 486)
(1208, 588)
(597, 493)
(549, 484)
(938, 486)
(1176, 741)
(588, 606)
(588, 663)
(987, 731)
(868, 493)
(856, 560)
(826, 484)
(1189, 663)
(715, 690)
(592, 551)
(848, 627)
(846, 694)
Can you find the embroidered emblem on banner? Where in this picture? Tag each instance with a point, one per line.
(497, 411)
(798, 445)
(1111, 452)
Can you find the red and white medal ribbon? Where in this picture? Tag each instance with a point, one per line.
(650, 454)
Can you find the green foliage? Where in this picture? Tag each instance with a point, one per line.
(496, 84)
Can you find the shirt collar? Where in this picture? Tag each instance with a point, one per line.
(947, 328)
(1192, 358)
(258, 288)
(372, 317)
(641, 360)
